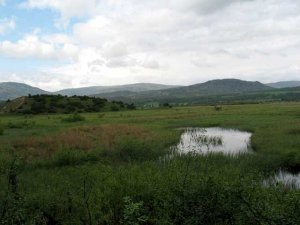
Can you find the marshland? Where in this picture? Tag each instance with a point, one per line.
(107, 168)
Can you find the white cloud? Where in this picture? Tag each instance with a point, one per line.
(32, 46)
(6, 24)
(180, 41)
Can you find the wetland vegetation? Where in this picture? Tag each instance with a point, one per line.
(107, 167)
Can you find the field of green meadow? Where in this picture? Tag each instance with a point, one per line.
(111, 168)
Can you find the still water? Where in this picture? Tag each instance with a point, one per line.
(229, 142)
(214, 139)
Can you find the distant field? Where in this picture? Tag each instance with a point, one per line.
(107, 168)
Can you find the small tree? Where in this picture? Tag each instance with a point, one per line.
(218, 108)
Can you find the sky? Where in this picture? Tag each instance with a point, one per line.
(56, 44)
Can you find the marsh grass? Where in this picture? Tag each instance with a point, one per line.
(210, 189)
(209, 140)
(119, 142)
(294, 132)
(20, 124)
(107, 170)
(74, 118)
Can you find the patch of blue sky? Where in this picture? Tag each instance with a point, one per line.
(28, 20)
(21, 65)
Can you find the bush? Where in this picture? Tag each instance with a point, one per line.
(133, 212)
(74, 118)
(218, 108)
(114, 108)
(21, 124)
(1, 131)
(131, 106)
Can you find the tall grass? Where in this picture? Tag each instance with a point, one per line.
(110, 170)
(187, 190)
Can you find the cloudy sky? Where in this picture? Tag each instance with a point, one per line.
(55, 44)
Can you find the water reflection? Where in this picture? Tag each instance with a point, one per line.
(215, 139)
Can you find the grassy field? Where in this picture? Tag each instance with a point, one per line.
(109, 168)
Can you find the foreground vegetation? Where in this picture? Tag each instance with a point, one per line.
(110, 168)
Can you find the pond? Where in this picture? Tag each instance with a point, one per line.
(214, 140)
(229, 142)
(288, 179)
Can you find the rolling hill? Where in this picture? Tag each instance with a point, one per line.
(39, 104)
(12, 90)
(284, 84)
(210, 88)
(139, 87)
(210, 92)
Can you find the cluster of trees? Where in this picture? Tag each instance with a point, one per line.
(38, 104)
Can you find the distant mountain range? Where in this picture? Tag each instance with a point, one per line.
(210, 88)
(12, 90)
(284, 84)
(140, 93)
(139, 87)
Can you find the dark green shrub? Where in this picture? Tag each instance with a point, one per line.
(114, 108)
(133, 212)
(38, 107)
(218, 107)
(131, 106)
(74, 118)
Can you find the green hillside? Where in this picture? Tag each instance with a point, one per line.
(208, 92)
(211, 92)
(195, 94)
(40, 104)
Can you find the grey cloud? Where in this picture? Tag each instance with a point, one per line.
(205, 6)
(121, 62)
(95, 65)
(114, 50)
(97, 62)
(151, 63)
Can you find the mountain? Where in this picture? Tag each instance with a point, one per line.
(284, 84)
(12, 90)
(210, 88)
(223, 86)
(139, 87)
(211, 92)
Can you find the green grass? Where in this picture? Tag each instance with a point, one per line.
(110, 168)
